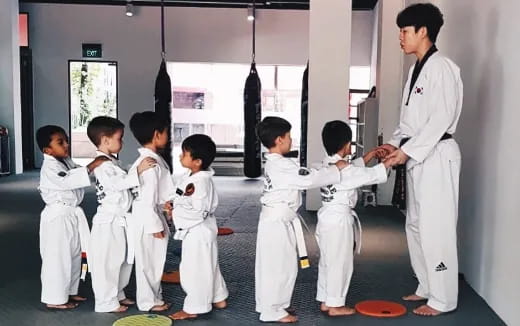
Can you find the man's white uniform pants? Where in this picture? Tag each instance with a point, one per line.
(61, 230)
(276, 266)
(107, 258)
(150, 256)
(335, 235)
(199, 269)
(431, 224)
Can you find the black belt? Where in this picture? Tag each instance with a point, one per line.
(399, 196)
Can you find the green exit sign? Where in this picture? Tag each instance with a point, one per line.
(91, 50)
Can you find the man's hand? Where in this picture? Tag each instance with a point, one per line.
(146, 164)
(388, 149)
(397, 157)
(97, 162)
(159, 235)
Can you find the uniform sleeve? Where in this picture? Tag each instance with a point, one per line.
(353, 177)
(359, 162)
(295, 177)
(114, 178)
(148, 198)
(55, 177)
(442, 109)
(196, 205)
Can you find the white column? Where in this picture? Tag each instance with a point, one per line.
(389, 76)
(10, 107)
(329, 62)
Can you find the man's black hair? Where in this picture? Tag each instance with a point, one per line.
(270, 128)
(422, 15)
(144, 124)
(201, 147)
(335, 135)
(44, 134)
(103, 126)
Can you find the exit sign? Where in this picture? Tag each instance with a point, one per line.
(91, 50)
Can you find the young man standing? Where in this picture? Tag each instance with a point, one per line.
(427, 180)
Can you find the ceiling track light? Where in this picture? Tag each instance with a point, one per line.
(129, 8)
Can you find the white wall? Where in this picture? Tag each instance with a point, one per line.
(483, 40)
(193, 35)
(10, 107)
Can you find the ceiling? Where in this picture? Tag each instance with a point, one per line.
(261, 4)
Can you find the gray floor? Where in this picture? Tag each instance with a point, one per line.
(381, 272)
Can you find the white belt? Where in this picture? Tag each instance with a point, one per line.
(356, 225)
(290, 216)
(128, 223)
(181, 233)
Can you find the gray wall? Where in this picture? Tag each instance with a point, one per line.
(193, 35)
(483, 41)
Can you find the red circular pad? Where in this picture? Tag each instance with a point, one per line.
(380, 308)
(171, 277)
(225, 231)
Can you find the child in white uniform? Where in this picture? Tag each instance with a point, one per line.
(280, 238)
(64, 231)
(151, 229)
(195, 224)
(110, 258)
(337, 220)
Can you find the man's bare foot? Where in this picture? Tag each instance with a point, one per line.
(65, 306)
(288, 319)
(341, 311)
(162, 307)
(324, 307)
(220, 305)
(120, 309)
(413, 297)
(426, 310)
(181, 315)
(77, 298)
(127, 302)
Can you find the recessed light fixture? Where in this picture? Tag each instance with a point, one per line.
(129, 8)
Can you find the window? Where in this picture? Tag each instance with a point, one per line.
(92, 92)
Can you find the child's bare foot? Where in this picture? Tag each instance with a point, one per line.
(426, 310)
(288, 319)
(127, 302)
(65, 306)
(291, 310)
(181, 315)
(220, 305)
(341, 311)
(162, 307)
(324, 307)
(77, 298)
(413, 297)
(120, 309)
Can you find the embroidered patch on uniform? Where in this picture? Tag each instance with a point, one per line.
(179, 192)
(304, 171)
(62, 174)
(441, 267)
(419, 90)
(190, 189)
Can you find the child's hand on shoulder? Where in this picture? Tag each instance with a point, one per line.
(341, 164)
(146, 164)
(96, 162)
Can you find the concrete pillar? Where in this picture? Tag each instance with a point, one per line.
(10, 107)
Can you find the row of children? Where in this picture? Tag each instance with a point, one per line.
(130, 222)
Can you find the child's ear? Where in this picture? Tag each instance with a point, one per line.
(47, 150)
(278, 140)
(198, 162)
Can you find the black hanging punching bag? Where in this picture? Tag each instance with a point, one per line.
(304, 117)
(252, 116)
(163, 99)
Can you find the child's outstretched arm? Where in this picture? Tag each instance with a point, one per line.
(301, 178)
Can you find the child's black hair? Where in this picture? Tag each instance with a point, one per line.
(44, 135)
(335, 135)
(103, 126)
(270, 128)
(422, 15)
(144, 124)
(200, 147)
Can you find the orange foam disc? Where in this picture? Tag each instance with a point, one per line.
(380, 308)
(225, 231)
(171, 277)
